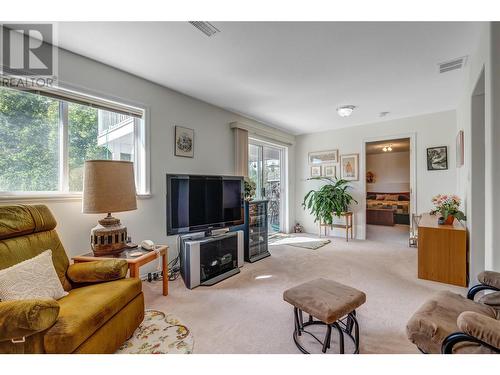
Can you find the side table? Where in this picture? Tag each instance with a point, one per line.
(134, 262)
(348, 216)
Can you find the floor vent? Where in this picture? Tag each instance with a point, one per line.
(454, 64)
(205, 27)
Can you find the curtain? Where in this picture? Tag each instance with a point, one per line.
(240, 152)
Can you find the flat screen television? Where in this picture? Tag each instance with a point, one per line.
(197, 203)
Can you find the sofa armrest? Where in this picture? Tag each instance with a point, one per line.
(490, 278)
(97, 271)
(481, 327)
(19, 319)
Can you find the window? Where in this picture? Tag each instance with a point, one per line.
(46, 138)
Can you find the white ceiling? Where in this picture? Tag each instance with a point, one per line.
(292, 75)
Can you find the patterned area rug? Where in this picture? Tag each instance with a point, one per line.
(311, 245)
(297, 240)
(159, 333)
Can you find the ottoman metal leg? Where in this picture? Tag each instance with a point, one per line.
(328, 337)
(341, 337)
(354, 324)
(298, 328)
(350, 321)
(347, 328)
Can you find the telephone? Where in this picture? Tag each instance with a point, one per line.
(148, 245)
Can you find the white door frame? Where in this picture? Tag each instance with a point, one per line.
(413, 168)
(284, 203)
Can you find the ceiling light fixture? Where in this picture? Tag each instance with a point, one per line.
(345, 110)
(387, 148)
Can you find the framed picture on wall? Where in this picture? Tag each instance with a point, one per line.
(184, 142)
(349, 167)
(437, 158)
(329, 170)
(315, 171)
(460, 149)
(322, 157)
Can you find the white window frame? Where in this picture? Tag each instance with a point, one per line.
(141, 152)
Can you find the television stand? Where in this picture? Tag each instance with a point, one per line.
(221, 277)
(206, 260)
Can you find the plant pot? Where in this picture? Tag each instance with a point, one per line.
(448, 221)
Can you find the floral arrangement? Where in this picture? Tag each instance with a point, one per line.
(448, 205)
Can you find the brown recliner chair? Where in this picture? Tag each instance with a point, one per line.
(450, 323)
(101, 311)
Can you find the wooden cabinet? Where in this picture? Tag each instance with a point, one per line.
(442, 251)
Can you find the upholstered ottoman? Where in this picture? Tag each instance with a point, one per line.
(333, 304)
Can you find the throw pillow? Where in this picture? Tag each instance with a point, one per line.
(32, 279)
(380, 197)
(391, 197)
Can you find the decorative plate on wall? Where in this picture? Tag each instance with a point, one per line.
(184, 142)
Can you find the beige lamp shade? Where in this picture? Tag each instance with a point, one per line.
(108, 186)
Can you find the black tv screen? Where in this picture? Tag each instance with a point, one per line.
(196, 203)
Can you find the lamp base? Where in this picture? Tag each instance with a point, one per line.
(108, 237)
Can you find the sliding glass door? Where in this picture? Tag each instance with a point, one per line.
(266, 170)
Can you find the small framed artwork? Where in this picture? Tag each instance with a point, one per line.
(184, 142)
(437, 158)
(460, 149)
(322, 157)
(349, 167)
(315, 171)
(329, 170)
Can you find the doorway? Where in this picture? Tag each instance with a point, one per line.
(388, 190)
(266, 170)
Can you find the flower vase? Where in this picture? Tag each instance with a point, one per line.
(449, 220)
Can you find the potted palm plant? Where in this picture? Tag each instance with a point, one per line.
(331, 199)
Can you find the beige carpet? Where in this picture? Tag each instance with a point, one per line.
(246, 313)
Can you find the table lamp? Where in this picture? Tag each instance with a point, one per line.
(108, 186)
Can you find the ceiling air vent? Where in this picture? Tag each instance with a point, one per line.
(205, 27)
(454, 64)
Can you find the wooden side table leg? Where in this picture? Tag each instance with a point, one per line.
(164, 268)
(352, 224)
(134, 270)
(347, 228)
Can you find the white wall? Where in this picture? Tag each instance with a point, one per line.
(391, 170)
(482, 221)
(213, 149)
(437, 129)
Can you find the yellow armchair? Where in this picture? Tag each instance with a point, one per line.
(19, 319)
(97, 271)
(102, 308)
